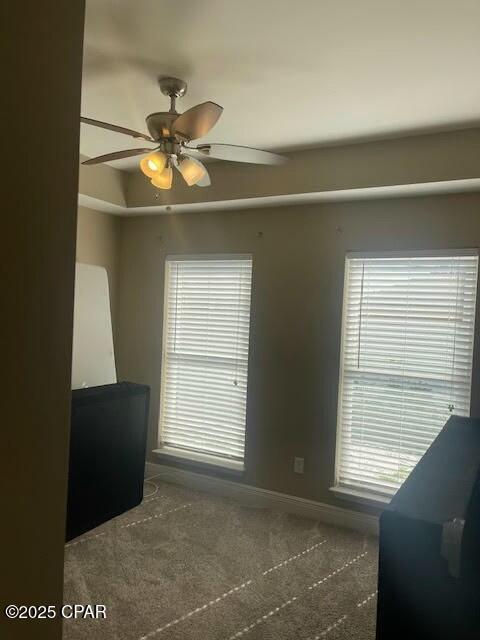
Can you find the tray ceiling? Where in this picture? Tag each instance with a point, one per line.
(289, 75)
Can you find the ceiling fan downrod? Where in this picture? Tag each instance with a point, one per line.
(173, 88)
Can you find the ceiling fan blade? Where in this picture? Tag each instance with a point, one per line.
(237, 153)
(116, 155)
(114, 127)
(197, 121)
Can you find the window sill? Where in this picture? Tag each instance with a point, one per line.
(362, 497)
(200, 459)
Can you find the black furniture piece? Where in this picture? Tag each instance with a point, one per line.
(429, 571)
(107, 453)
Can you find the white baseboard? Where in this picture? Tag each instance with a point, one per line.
(254, 496)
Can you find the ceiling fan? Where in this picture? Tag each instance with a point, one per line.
(172, 132)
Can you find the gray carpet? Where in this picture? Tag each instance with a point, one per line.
(186, 565)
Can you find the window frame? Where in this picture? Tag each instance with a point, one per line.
(364, 496)
(198, 458)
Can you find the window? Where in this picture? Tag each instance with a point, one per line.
(205, 356)
(406, 362)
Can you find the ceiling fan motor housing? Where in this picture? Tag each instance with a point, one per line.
(160, 124)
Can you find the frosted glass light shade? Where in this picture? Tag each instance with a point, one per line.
(191, 171)
(164, 179)
(153, 164)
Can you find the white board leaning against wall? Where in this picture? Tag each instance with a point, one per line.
(93, 358)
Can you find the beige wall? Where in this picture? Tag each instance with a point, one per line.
(98, 243)
(101, 183)
(421, 159)
(296, 312)
(42, 44)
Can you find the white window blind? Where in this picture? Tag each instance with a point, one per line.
(406, 362)
(205, 355)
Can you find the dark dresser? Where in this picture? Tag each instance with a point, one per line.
(429, 571)
(107, 453)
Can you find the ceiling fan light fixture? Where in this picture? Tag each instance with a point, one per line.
(164, 179)
(191, 170)
(153, 164)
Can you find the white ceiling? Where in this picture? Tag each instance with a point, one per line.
(289, 74)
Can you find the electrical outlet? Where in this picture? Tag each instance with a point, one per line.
(298, 464)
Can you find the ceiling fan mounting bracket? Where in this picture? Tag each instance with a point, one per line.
(172, 87)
